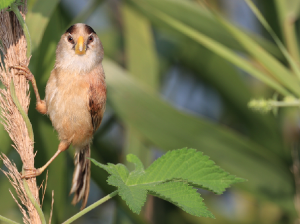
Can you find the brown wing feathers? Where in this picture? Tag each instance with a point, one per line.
(97, 99)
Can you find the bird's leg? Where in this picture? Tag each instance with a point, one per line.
(29, 172)
(40, 104)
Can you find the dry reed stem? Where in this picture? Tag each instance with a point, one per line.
(14, 48)
(51, 212)
(14, 178)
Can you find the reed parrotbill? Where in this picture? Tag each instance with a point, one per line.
(75, 101)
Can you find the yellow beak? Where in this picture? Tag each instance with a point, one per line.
(80, 47)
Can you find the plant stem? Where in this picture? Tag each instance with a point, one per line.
(295, 103)
(86, 210)
(291, 37)
(33, 201)
(14, 8)
(7, 220)
(291, 57)
(287, 24)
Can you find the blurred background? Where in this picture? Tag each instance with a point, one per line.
(168, 90)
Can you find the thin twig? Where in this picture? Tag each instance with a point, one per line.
(86, 210)
(44, 191)
(52, 203)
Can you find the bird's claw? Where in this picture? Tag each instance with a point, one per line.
(30, 173)
(24, 71)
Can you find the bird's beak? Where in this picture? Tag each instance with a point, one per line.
(80, 47)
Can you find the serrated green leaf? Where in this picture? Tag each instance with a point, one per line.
(170, 177)
(117, 170)
(134, 196)
(190, 165)
(5, 3)
(139, 167)
(183, 196)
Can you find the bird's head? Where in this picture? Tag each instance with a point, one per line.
(79, 49)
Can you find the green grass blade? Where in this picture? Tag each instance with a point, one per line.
(263, 21)
(268, 61)
(219, 49)
(201, 20)
(287, 13)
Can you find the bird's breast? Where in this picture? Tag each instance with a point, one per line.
(67, 105)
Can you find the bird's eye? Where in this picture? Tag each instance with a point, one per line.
(90, 39)
(70, 39)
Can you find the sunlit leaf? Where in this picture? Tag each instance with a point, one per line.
(170, 177)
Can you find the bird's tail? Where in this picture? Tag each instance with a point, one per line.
(81, 176)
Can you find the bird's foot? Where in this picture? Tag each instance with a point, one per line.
(30, 173)
(24, 70)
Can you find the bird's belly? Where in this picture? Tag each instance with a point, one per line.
(68, 111)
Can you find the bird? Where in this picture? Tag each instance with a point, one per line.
(75, 101)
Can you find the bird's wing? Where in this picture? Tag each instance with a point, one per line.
(97, 100)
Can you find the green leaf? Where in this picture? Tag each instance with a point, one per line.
(190, 165)
(5, 3)
(170, 177)
(183, 196)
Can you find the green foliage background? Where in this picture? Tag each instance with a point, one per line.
(142, 40)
